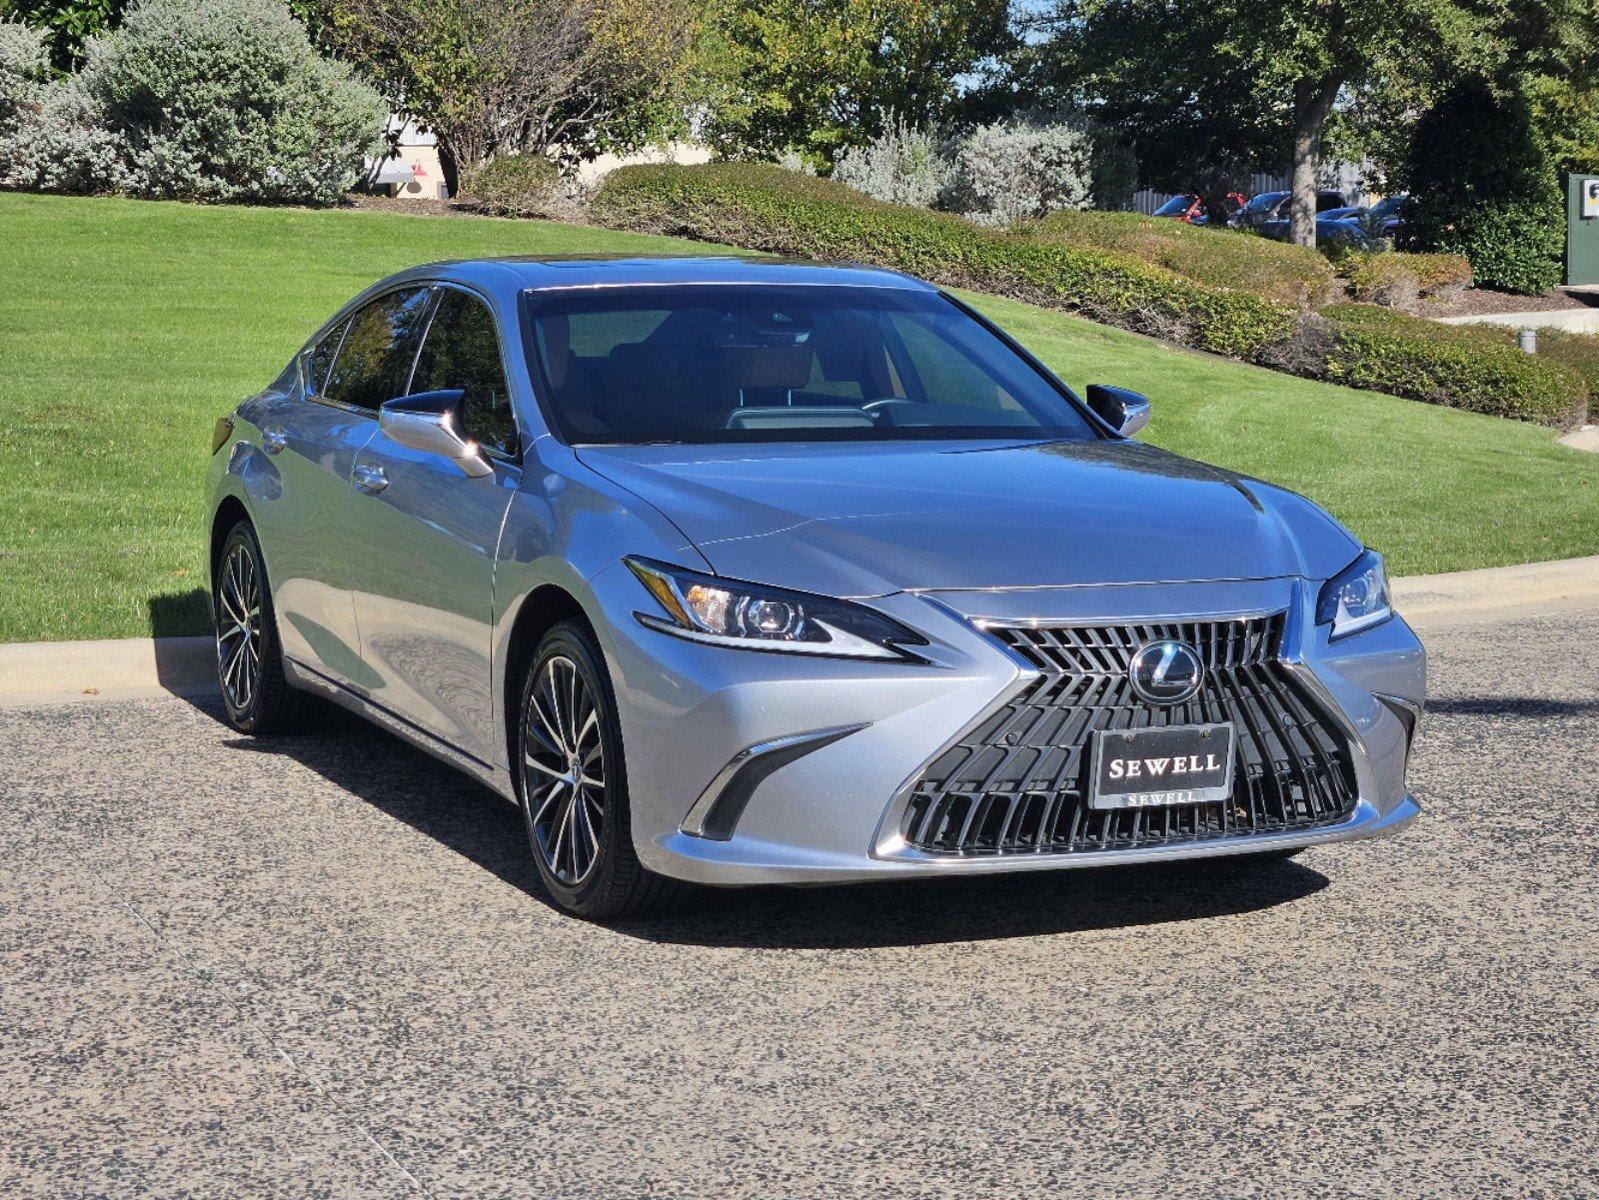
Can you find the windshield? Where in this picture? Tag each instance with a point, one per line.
(744, 363)
(1387, 206)
(1174, 206)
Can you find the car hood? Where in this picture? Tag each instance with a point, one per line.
(873, 518)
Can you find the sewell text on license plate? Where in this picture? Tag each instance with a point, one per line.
(1151, 768)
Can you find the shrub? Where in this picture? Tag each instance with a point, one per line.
(1487, 189)
(227, 100)
(903, 165)
(1439, 276)
(1577, 352)
(50, 136)
(61, 146)
(24, 67)
(1017, 170)
(1295, 275)
(1511, 247)
(1396, 279)
(1462, 366)
(1385, 279)
(514, 185)
(761, 207)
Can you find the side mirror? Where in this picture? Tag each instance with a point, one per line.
(1125, 412)
(431, 421)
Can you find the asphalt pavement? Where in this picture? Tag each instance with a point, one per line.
(323, 967)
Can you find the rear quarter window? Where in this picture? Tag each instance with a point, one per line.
(319, 360)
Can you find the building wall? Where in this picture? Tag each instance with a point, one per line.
(417, 151)
(427, 172)
(687, 153)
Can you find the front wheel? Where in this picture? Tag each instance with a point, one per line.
(573, 785)
(256, 698)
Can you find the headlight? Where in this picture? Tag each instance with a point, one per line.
(1356, 598)
(707, 608)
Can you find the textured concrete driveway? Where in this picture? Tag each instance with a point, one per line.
(322, 967)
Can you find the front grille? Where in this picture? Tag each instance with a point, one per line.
(1017, 783)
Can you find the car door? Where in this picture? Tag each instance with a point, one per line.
(313, 438)
(426, 538)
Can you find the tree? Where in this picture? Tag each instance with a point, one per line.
(1486, 188)
(1222, 81)
(821, 76)
(487, 77)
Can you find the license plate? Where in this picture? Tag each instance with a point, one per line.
(1154, 768)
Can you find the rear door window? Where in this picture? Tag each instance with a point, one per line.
(374, 363)
(462, 352)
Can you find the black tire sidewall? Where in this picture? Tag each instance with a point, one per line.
(596, 894)
(249, 718)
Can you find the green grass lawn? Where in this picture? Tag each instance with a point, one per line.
(128, 327)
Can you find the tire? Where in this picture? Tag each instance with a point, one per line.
(572, 784)
(256, 698)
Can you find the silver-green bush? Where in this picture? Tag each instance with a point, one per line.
(1019, 170)
(227, 100)
(902, 165)
(50, 136)
(24, 66)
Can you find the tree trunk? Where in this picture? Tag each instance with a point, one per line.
(1313, 101)
(450, 164)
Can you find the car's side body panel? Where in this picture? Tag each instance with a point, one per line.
(422, 556)
(304, 525)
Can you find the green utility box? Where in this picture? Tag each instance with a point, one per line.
(1582, 229)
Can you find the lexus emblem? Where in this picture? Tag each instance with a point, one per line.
(1166, 672)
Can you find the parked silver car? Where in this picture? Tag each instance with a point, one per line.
(733, 571)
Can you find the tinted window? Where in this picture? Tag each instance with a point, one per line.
(320, 359)
(462, 351)
(745, 363)
(1175, 206)
(375, 360)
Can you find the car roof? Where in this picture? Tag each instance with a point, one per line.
(544, 273)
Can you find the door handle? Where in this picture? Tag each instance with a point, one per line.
(273, 439)
(370, 480)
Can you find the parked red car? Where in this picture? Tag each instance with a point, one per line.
(1191, 208)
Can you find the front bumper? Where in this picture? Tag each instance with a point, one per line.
(689, 712)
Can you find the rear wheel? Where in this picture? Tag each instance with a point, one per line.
(573, 785)
(256, 697)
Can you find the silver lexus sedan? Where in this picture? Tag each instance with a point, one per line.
(732, 571)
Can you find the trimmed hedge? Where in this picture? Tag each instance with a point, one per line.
(1461, 366)
(763, 207)
(513, 185)
(1293, 275)
(1399, 280)
(1577, 352)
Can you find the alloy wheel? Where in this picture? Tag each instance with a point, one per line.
(563, 776)
(239, 627)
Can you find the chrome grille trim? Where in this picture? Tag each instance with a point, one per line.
(1016, 782)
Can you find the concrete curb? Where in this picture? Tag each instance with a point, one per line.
(52, 672)
(1476, 597)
